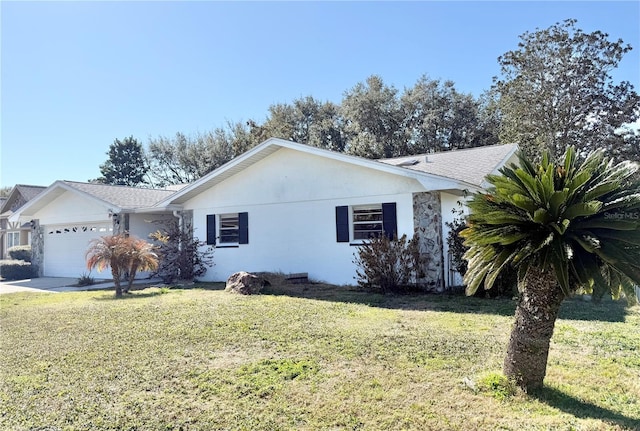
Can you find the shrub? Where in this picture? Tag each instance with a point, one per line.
(15, 269)
(390, 265)
(182, 255)
(86, 280)
(496, 385)
(20, 252)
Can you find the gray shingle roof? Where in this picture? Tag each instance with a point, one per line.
(469, 165)
(29, 192)
(122, 196)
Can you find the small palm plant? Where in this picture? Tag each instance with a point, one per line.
(142, 257)
(564, 228)
(123, 254)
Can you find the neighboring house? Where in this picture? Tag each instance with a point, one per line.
(14, 233)
(66, 216)
(294, 208)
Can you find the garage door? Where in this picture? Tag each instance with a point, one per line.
(65, 247)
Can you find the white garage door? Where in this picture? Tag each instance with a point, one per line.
(65, 247)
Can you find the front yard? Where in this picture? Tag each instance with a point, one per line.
(304, 358)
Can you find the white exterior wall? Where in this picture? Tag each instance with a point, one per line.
(73, 208)
(291, 198)
(141, 225)
(449, 203)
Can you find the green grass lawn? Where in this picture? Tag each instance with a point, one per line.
(304, 358)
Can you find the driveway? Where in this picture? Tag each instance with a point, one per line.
(57, 284)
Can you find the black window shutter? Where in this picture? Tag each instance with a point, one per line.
(389, 220)
(211, 229)
(243, 228)
(342, 224)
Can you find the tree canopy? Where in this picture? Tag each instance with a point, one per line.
(556, 91)
(126, 164)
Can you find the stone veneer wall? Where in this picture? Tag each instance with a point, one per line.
(37, 248)
(427, 224)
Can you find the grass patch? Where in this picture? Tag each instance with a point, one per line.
(303, 357)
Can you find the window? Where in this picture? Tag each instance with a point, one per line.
(13, 239)
(232, 229)
(367, 221)
(228, 231)
(361, 222)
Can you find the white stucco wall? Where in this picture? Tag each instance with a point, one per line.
(291, 198)
(141, 225)
(72, 208)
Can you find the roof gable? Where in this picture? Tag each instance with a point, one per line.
(441, 174)
(272, 145)
(19, 195)
(120, 198)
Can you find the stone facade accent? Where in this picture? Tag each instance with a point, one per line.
(427, 225)
(37, 248)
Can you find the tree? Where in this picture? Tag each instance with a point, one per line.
(564, 227)
(184, 159)
(124, 254)
(439, 118)
(306, 121)
(556, 91)
(372, 120)
(126, 164)
(5, 191)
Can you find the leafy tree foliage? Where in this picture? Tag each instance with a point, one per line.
(436, 117)
(183, 159)
(373, 120)
(126, 165)
(5, 191)
(565, 227)
(306, 121)
(556, 91)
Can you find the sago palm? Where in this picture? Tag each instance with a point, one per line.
(110, 252)
(142, 257)
(565, 227)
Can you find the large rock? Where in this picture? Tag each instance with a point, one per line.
(245, 283)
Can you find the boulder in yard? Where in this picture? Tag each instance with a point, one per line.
(245, 283)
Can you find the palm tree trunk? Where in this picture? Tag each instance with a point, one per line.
(536, 314)
(116, 282)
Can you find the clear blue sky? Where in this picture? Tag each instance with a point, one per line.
(77, 75)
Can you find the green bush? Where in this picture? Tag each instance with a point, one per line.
(20, 252)
(86, 280)
(15, 269)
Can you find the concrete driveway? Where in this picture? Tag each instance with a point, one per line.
(57, 284)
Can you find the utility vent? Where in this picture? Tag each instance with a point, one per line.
(410, 162)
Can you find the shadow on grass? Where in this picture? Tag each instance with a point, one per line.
(411, 301)
(582, 409)
(131, 295)
(574, 308)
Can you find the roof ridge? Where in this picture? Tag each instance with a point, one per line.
(70, 182)
(457, 150)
